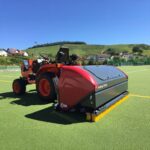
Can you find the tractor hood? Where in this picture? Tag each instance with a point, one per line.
(106, 76)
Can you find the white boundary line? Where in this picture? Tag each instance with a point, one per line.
(140, 96)
(137, 71)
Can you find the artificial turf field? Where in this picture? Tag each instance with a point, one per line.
(26, 123)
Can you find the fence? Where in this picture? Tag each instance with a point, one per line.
(9, 68)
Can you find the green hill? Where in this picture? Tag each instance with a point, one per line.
(86, 49)
(81, 49)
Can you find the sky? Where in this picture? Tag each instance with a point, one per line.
(24, 23)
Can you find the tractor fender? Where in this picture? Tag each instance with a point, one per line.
(49, 68)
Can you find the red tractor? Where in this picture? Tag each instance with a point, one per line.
(91, 88)
(44, 73)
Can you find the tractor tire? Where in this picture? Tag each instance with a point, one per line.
(19, 86)
(45, 88)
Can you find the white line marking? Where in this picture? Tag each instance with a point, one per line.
(140, 96)
(138, 71)
(5, 81)
(7, 76)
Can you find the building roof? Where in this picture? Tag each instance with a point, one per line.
(12, 50)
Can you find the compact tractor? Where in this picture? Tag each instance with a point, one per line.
(90, 89)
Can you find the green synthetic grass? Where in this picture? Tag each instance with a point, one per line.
(27, 123)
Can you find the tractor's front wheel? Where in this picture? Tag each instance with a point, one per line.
(19, 86)
(45, 88)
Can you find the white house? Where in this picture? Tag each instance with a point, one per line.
(25, 54)
(12, 51)
(3, 53)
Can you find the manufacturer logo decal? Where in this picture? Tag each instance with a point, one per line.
(62, 105)
(102, 86)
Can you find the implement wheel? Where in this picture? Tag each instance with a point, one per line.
(45, 88)
(19, 86)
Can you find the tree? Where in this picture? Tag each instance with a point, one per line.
(91, 62)
(137, 49)
(111, 51)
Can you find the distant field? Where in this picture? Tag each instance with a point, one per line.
(26, 123)
(82, 49)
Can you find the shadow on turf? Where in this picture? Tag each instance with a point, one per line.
(6, 95)
(52, 116)
(47, 115)
(28, 99)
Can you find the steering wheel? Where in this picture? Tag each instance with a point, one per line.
(46, 60)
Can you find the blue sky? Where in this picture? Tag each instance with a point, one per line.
(24, 22)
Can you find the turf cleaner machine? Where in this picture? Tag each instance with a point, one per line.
(89, 89)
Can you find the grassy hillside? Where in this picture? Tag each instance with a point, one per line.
(11, 60)
(83, 49)
(79, 48)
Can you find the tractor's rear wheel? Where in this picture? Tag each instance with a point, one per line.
(19, 86)
(45, 88)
